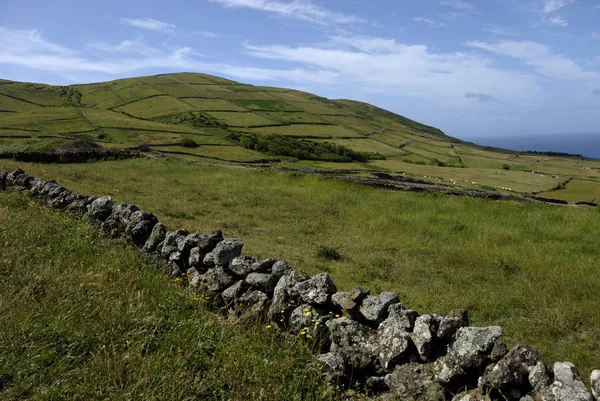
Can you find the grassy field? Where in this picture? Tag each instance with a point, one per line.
(85, 318)
(124, 113)
(531, 268)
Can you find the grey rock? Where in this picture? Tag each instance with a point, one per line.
(76, 203)
(101, 208)
(140, 233)
(472, 395)
(511, 373)
(595, 381)
(350, 300)
(170, 242)
(185, 244)
(567, 385)
(376, 385)
(226, 251)
(232, 293)
(306, 320)
(499, 351)
(244, 265)
(316, 290)
(280, 268)
(451, 323)
(3, 175)
(195, 258)
(354, 342)
(216, 279)
(208, 242)
(209, 260)
(425, 333)
(299, 275)
(413, 381)
(262, 281)
(157, 235)
(394, 336)
(193, 277)
(331, 363)
(540, 377)
(37, 185)
(374, 309)
(252, 304)
(176, 263)
(285, 299)
(470, 349)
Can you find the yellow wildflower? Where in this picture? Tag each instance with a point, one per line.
(268, 326)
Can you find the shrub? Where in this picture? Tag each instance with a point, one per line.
(188, 143)
(328, 253)
(505, 167)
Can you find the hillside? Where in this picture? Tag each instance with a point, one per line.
(202, 117)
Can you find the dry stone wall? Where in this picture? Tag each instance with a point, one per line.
(374, 341)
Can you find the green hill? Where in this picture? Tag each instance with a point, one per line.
(202, 117)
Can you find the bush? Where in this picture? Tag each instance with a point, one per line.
(505, 167)
(328, 253)
(188, 143)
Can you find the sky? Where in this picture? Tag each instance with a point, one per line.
(474, 69)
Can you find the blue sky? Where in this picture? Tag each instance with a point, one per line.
(472, 68)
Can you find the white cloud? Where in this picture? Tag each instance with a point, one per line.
(148, 24)
(462, 5)
(482, 97)
(540, 57)
(551, 6)
(428, 21)
(560, 21)
(502, 31)
(596, 35)
(299, 9)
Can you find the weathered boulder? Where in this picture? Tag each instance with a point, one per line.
(176, 263)
(140, 233)
(394, 335)
(11, 177)
(567, 385)
(262, 281)
(374, 309)
(252, 304)
(208, 242)
(3, 175)
(37, 185)
(280, 268)
(195, 258)
(332, 364)
(511, 374)
(450, 323)
(186, 243)
(413, 381)
(285, 299)
(217, 279)
(232, 293)
(101, 208)
(350, 301)
(170, 242)
(316, 290)
(354, 342)
(226, 251)
(595, 381)
(76, 203)
(424, 334)
(244, 265)
(472, 395)
(157, 235)
(467, 355)
(499, 351)
(376, 385)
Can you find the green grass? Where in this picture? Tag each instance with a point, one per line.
(237, 119)
(367, 145)
(291, 117)
(304, 130)
(577, 190)
(531, 268)
(213, 104)
(155, 107)
(86, 318)
(228, 153)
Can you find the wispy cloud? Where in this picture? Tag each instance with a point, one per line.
(540, 57)
(550, 6)
(149, 24)
(502, 31)
(428, 21)
(596, 35)
(482, 97)
(560, 21)
(299, 9)
(460, 4)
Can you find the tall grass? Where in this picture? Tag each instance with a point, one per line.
(531, 268)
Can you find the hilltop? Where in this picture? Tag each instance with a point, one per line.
(199, 117)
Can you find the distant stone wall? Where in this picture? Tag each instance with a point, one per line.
(371, 340)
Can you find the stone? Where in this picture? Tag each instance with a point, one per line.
(424, 334)
(451, 323)
(316, 290)
(567, 385)
(469, 351)
(157, 235)
(413, 381)
(185, 244)
(208, 242)
(193, 277)
(226, 251)
(350, 300)
(244, 265)
(540, 377)
(140, 233)
(280, 268)
(216, 279)
(284, 300)
(176, 263)
(331, 363)
(262, 281)
(299, 275)
(499, 351)
(376, 385)
(511, 373)
(472, 395)
(3, 175)
(374, 309)
(595, 381)
(354, 342)
(101, 208)
(209, 260)
(170, 242)
(195, 258)
(394, 335)
(231, 293)
(252, 304)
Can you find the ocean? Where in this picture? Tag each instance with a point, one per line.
(587, 145)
